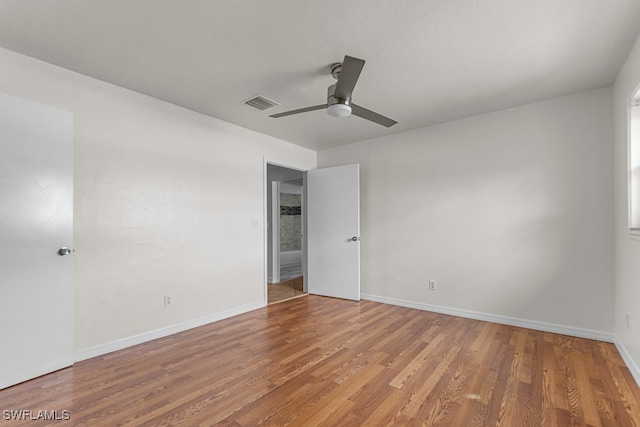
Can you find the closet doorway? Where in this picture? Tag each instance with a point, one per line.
(285, 236)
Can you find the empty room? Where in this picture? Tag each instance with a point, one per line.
(448, 190)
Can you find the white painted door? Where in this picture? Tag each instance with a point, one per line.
(36, 217)
(333, 232)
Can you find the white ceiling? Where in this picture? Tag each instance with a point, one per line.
(427, 61)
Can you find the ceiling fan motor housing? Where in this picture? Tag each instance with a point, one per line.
(337, 107)
(333, 100)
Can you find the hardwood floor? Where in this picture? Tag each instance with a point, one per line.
(284, 290)
(314, 361)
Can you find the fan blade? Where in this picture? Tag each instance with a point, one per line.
(359, 111)
(298, 111)
(349, 73)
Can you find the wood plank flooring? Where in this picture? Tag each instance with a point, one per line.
(315, 361)
(284, 290)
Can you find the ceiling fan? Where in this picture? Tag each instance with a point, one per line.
(339, 95)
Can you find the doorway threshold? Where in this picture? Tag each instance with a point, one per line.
(287, 299)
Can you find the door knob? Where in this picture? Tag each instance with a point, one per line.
(355, 238)
(64, 251)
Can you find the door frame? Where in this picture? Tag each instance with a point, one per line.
(275, 232)
(266, 188)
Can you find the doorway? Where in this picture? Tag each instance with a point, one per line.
(285, 236)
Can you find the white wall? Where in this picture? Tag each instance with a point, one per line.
(164, 199)
(627, 250)
(511, 212)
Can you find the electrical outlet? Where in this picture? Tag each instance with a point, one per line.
(626, 320)
(168, 300)
(432, 285)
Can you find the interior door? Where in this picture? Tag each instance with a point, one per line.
(36, 216)
(333, 232)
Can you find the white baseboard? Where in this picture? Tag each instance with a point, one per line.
(120, 344)
(496, 318)
(628, 360)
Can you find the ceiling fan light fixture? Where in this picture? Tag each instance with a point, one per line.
(339, 110)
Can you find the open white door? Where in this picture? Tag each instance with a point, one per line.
(333, 232)
(36, 218)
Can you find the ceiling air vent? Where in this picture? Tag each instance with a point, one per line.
(260, 102)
